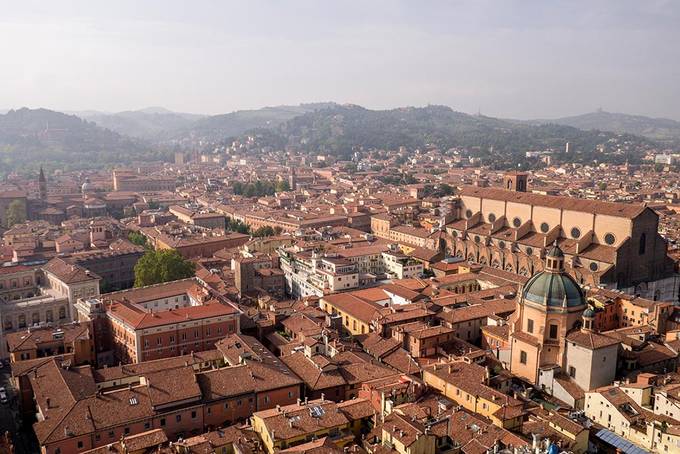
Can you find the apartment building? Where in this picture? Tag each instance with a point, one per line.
(199, 217)
(128, 180)
(164, 320)
(421, 340)
(115, 264)
(192, 241)
(625, 416)
(467, 384)
(72, 339)
(259, 272)
(309, 273)
(79, 408)
(40, 296)
(288, 426)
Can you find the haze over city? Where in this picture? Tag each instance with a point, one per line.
(514, 59)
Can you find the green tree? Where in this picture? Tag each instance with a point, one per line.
(282, 186)
(257, 189)
(15, 213)
(264, 231)
(137, 238)
(237, 226)
(446, 189)
(162, 266)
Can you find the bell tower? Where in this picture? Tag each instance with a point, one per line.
(42, 185)
(516, 181)
(292, 179)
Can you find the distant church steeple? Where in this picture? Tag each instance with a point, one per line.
(292, 179)
(42, 185)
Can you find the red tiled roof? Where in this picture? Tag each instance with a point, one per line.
(624, 210)
(139, 318)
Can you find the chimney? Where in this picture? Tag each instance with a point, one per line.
(299, 401)
(305, 400)
(323, 397)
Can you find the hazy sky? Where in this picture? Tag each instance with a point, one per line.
(519, 59)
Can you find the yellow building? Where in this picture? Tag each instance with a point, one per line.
(282, 427)
(406, 436)
(467, 385)
(612, 408)
(356, 314)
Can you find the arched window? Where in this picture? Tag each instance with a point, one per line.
(509, 184)
(643, 244)
(62, 313)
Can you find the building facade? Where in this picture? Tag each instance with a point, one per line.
(609, 244)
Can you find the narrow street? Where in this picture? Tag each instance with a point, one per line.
(23, 437)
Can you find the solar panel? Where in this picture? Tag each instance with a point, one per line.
(621, 444)
(316, 411)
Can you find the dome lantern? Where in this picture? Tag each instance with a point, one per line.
(554, 287)
(554, 259)
(588, 319)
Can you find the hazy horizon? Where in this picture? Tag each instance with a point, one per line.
(514, 59)
(86, 113)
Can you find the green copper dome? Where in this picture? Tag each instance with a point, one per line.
(551, 289)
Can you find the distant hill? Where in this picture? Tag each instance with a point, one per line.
(150, 124)
(218, 127)
(160, 124)
(662, 129)
(30, 137)
(341, 129)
